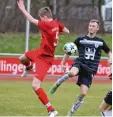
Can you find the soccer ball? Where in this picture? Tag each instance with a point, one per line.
(70, 48)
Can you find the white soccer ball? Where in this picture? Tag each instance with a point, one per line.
(70, 48)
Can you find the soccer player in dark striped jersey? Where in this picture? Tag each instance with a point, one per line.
(85, 66)
(106, 105)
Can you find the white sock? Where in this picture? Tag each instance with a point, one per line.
(62, 79)
(106, 113)
(48, 105)
(77, 103)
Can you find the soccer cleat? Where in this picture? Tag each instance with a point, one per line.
(53, 113)
(70, 113)
(54, 88)
(25, 73)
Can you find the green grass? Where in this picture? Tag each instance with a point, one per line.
(15, 43)
(18, 99)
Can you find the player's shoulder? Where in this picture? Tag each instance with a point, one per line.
(81, 37)
(77, 39)
(55, 21)
(99, 39)
(86, 37)
(49, 22)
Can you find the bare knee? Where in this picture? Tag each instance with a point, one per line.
(84, 94)
(104, 106)
(101, 108)
(23, 58)
(71, 74)
(36, 84)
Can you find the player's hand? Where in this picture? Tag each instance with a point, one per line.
(109, 61)
(110, 76)
(21, 5)
(62, 67)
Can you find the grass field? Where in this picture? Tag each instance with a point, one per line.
(18, 99)
(15, 43)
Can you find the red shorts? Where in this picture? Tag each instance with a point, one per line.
(32, 55)
(43, 63)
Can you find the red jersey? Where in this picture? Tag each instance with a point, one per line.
(50, 31)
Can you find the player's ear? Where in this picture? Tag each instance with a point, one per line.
(98, 28)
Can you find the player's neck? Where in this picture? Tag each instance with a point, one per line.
(50, 19)
(91, 35)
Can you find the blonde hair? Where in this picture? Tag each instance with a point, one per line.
(95, 20)
(45, 11)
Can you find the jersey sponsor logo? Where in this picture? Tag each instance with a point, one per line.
(96, 43)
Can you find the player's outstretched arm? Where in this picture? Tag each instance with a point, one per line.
(66, 57)
(65, 30)
(110, 58)
(108, 52)
(26, 14)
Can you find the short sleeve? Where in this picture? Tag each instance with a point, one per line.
(41, 25)
(105, 47)
(61, 27)
(76, 42)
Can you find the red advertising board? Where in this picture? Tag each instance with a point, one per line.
(13, 66)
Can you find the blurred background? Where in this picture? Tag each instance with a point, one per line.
(75, 14)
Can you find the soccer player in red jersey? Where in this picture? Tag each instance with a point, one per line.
(44, 56)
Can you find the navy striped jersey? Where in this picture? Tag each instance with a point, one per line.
(89, 50)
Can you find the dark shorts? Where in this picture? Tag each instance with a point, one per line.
(84, 77)
(108, 98)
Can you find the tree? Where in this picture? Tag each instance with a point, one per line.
(100, 3)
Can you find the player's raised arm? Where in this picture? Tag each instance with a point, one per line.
(62, 28)
(66, 57)
(108, 52)
(110, 58)
(26, 14)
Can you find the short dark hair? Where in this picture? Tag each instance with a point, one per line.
(45, 11)
(95, 20)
